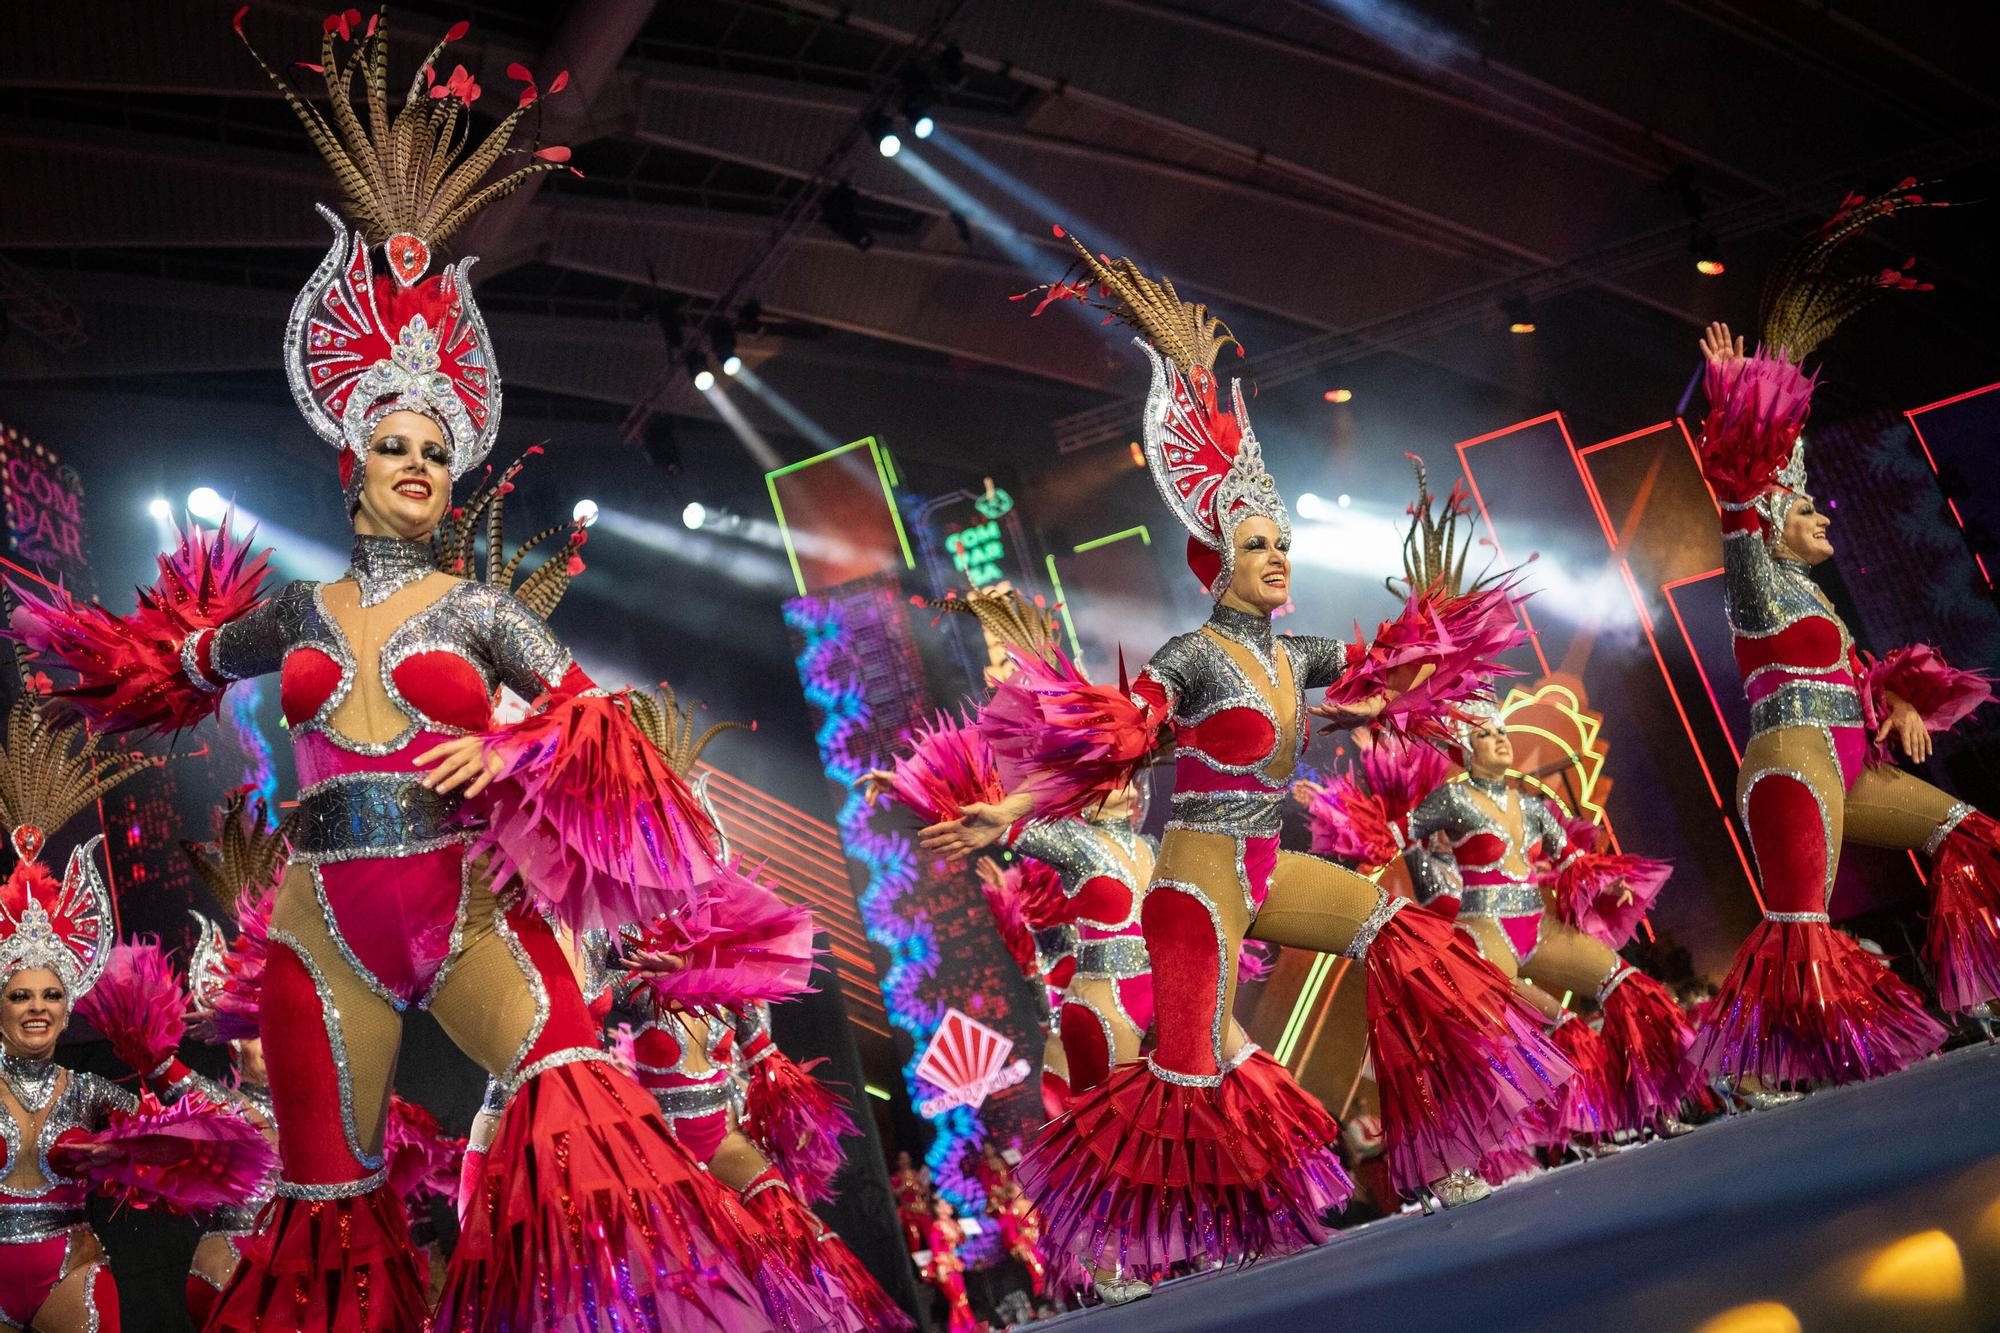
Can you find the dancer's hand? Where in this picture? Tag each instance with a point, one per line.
(874, 784)
(650, 962)
(1306, 792)
(1716, 346)
(978, 826)
(461, 761)
(1621, 894)
(1356, 714)
(1907, 726)
(989, 871)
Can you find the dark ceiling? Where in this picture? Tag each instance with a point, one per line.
(1349, 181)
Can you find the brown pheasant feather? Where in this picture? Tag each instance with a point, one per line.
(1007, 617)
(50, 770)
(670, 728)
(246, 858)
(413, 171)
(1814, 289)
(1182, 331)
(1436, 545)
(454, 545)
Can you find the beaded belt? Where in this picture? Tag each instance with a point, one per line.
(692, 1100)
(1115, 960)
(372, 815)
(1238, 814)
(1806, 703)
(1499, 900)
(26, 1223)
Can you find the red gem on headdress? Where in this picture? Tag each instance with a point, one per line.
(408, 257)
(28, 841)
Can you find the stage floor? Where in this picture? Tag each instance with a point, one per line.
(1874, 1207)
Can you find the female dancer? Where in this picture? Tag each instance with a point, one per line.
(911, 1184)
(1803, 1001)
(62, 1133)
(388, 674)
(1495, 831)
(703, 975)
(1208, 1149)
(946, 1271)
(1008, 1205)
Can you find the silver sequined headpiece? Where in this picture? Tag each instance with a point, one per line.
(64, 927)
(1790, 487)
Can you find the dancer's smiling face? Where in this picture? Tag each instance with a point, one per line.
(1262, 578)
(1805, 532)
(34, 1010)
(1491, 752)
(407, 482)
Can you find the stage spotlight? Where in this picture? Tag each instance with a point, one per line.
(704, 379)
(1520, 316)
(1343, 500)
(886, 141)
(732, 365)
(206, 504)
(841, 212)
(584, 513)
(694, 514)
(1338, 395)
(1707, 253)
(159, 508)
(922, 127)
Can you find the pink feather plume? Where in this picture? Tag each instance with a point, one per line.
(742, 945)
(1462, 637)
(129, 672)
(186, 1157)
(1756, 408)
(1942, 694)
(949, 766)
(138, 1004)
(591, 817)
(1067, 743)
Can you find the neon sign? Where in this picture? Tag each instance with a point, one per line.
(967, 1063)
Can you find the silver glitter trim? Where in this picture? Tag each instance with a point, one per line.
(1386, 906)
(693, 1100)
(774, 1183)
(1499, 900)
(191, 663)
(1055, 943)
(1222, 959)
(515, 1075)
(1946, 827)
(337, 1044)
(346, 1189)
(1234, 814)
(347, 954)
(1612, 982)
(1183, 1080)
(1748, 784)
(1819, 918)
(456, 945)
(383, 566)
(28, 1223)
(1118, 959)
(574, 1055)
